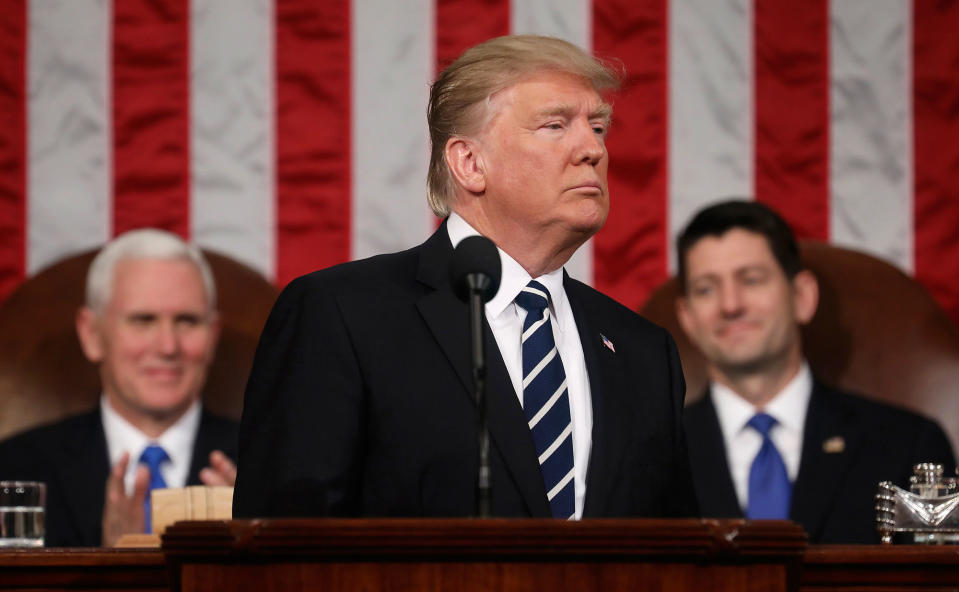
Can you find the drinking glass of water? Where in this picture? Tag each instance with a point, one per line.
(21, 513)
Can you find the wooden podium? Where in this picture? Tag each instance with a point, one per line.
(463, 554)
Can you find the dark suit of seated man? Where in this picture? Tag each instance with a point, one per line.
(745, 296)
(360, 399)
(150, 325)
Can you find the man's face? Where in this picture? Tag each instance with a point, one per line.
(739, 307)
(544, 157)
(154, 339)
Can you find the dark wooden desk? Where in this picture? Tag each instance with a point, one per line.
(142, 570)
(394, 555)
(880, 568)
(504, 555)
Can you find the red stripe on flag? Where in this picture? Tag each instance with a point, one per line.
(13, 145)
(630, 252)
(461, 24)
(151, 115)
(936, 129)
(312, 135)
(792, 112)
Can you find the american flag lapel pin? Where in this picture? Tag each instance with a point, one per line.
(607, 343)
(834, 445)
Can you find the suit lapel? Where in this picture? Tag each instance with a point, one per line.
(447, 318)
(606, 385)
(822, 466)
(86, 476)
(707, 456)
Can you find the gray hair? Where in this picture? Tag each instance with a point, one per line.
(144, 243)
(465, 86)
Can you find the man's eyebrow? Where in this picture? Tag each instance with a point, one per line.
(602, 111)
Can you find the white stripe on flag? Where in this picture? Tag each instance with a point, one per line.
(393, 67)
(570, 20)
(871, 132)
(232, 123)
(69, 126)
(711, 149)
(567, 19)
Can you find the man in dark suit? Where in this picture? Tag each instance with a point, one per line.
(150, 324)
(768, 440)
(360, 399)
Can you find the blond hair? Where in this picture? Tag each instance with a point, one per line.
(462, 91)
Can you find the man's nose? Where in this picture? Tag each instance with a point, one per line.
(592, 146)
(168, 340)
(730, 299)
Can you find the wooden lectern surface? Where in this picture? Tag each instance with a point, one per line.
(506, 555)
(880, 568)
(83, 569)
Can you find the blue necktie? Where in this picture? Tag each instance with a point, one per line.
(153, 456)
(769, 489)
(546, 401)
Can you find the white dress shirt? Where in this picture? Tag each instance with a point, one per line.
(177, 441)
(506, 320)
(788, 407)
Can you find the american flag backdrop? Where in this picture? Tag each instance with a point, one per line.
(291, 134)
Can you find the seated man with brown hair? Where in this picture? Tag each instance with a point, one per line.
(768, 440)
(150, 325)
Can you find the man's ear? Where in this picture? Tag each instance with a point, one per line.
(88, 331)
(805, 296)
(216, 327)
(463, 159)
(684, 316)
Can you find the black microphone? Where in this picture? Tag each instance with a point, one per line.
(475, 272)
(475, 266)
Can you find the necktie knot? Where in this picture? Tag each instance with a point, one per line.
(762, 423)
(533, 298)
(153, 456)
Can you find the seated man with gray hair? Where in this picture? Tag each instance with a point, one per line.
(151, 326)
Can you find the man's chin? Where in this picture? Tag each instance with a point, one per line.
(743, 365)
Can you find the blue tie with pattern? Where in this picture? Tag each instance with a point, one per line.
(546, 401)
(769, 489)
(153, 456)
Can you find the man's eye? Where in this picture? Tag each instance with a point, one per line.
(599, 130)
(141, 320)
(701, 291)
(188, 320)
(554, 126)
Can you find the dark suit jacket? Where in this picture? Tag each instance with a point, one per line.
(834, 492)
(71, 458)
(359, 403)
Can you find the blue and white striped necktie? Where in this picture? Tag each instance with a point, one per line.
(546, 401)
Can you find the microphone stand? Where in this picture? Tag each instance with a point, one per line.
(478, 283)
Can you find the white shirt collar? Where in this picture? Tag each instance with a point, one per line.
(514, 278)
(788, 407)
(177, 441)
